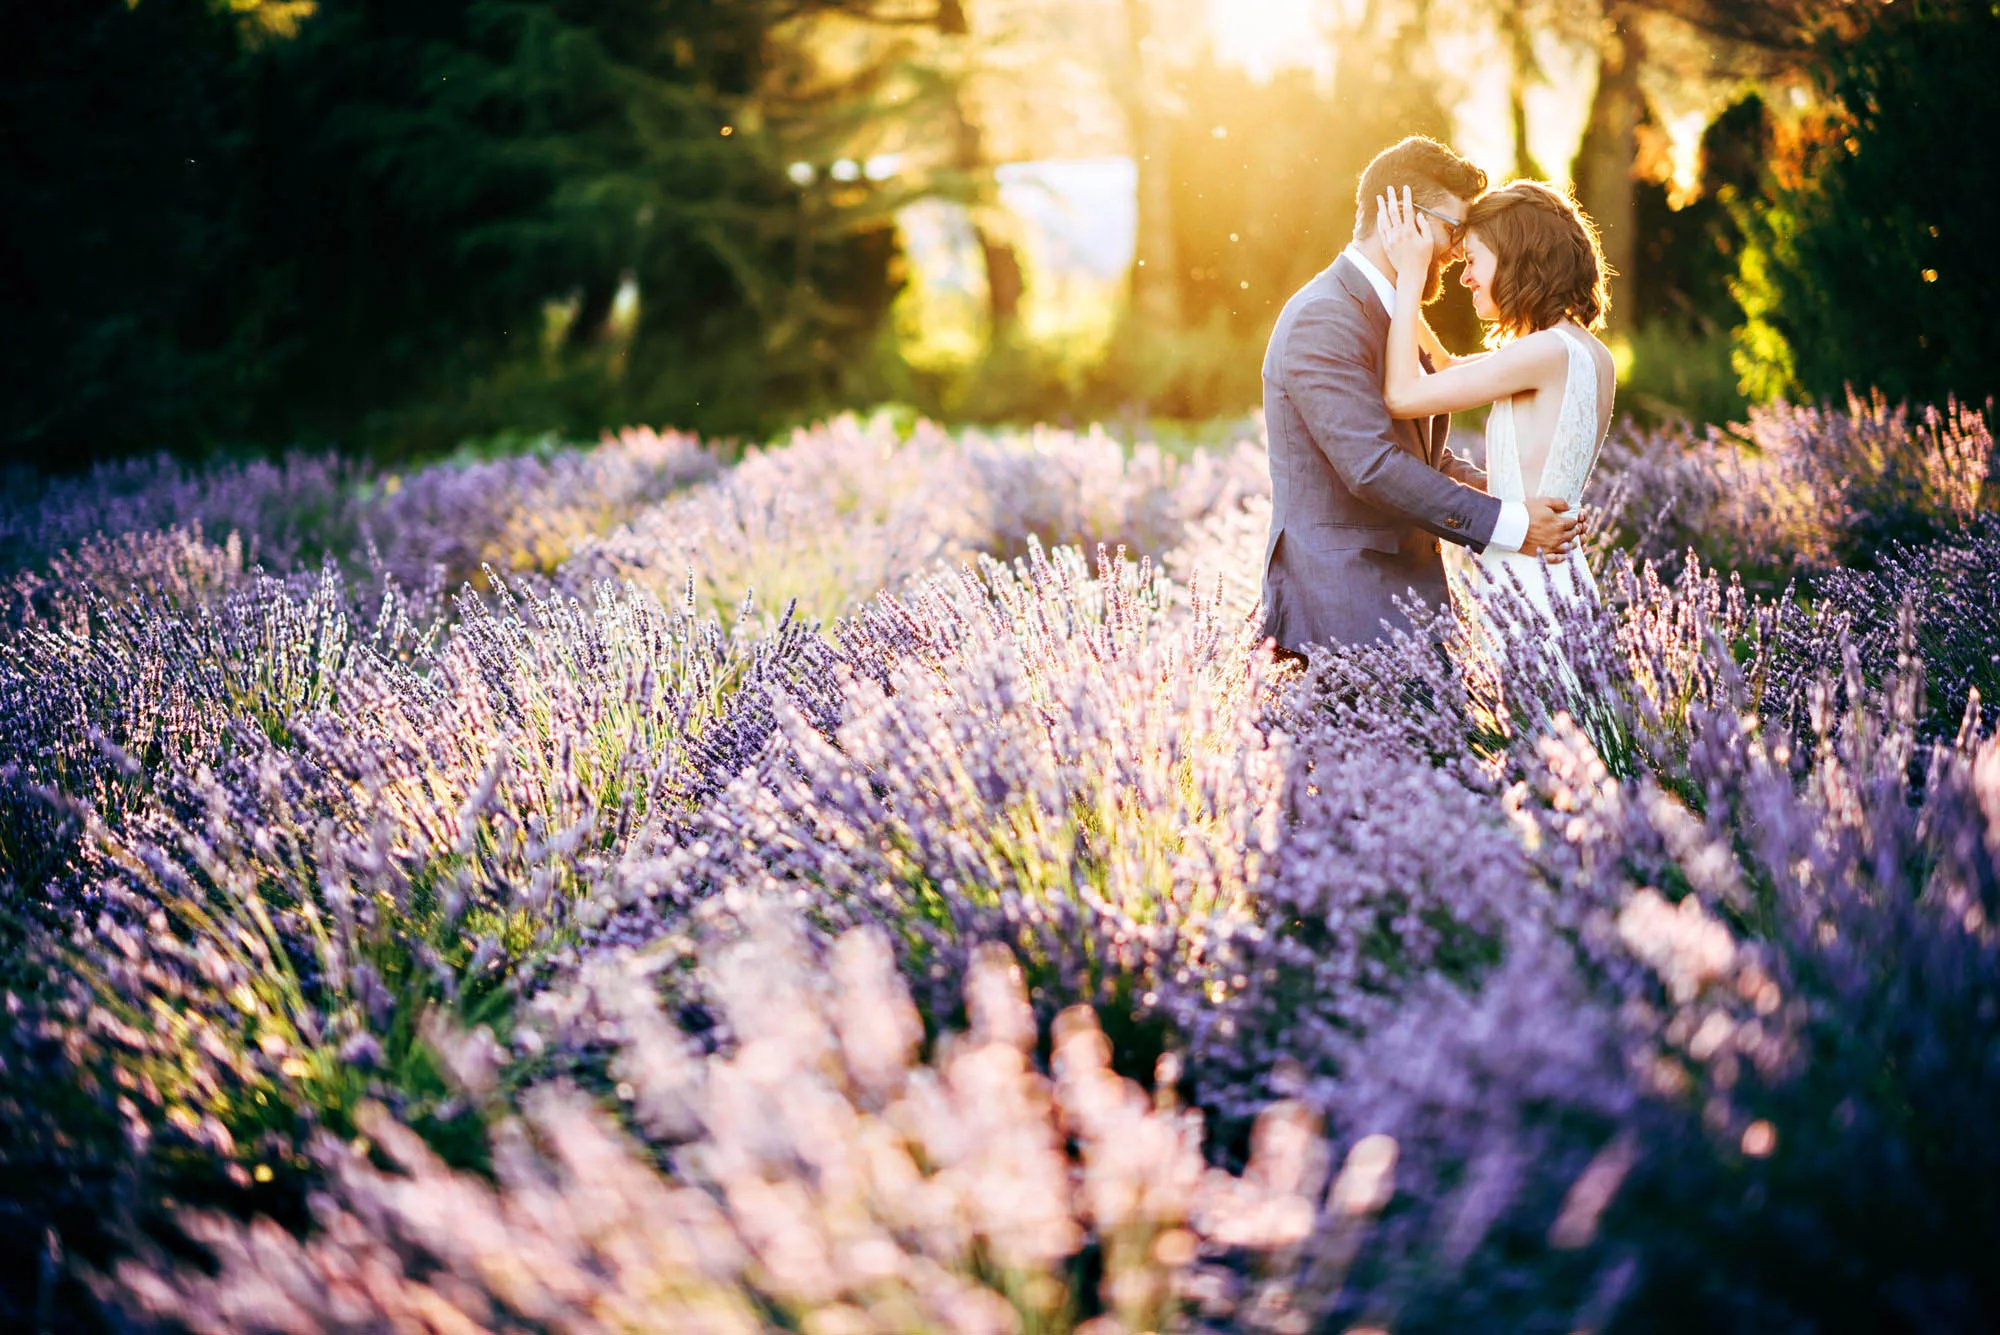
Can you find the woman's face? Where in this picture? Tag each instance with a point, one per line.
(1477, 275)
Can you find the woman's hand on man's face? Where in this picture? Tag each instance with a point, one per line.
(1406, 235)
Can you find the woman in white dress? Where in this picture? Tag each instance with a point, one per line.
(1538, 278)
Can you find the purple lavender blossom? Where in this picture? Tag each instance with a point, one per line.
(814, 1174)
(1641, 967)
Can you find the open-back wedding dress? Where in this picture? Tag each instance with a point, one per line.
(1572, 453)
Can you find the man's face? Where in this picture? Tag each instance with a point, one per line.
(1444, 249)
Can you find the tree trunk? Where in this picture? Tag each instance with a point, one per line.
(1522, 70)
(1155, 268)
(1003, 266)
(1003, 282)
(1605, 184)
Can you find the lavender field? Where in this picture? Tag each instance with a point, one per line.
(879, 884)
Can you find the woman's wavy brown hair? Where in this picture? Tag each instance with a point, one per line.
(1550, 266)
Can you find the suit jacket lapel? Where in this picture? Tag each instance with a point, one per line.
(1429, 424)
(1420, 433)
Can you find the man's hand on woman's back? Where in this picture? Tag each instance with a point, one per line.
(1552, 528)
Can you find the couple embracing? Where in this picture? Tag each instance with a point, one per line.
(1358, 394)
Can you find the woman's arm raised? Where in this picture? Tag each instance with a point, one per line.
(1528, 363)
(1441, 358)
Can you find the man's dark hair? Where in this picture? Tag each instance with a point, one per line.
(1433, 172)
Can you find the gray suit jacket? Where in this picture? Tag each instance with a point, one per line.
(1358, 499)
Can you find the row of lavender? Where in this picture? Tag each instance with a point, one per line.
(1016, 948)
(842, 511)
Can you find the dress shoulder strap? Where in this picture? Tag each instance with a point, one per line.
(1573, 342)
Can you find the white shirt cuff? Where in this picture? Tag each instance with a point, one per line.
(1511, 530)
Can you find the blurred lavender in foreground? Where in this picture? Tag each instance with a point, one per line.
(812, 1177)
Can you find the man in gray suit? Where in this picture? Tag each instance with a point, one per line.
(1359, 500)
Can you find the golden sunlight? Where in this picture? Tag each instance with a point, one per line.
(1264, 36)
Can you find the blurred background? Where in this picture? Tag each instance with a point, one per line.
(396, 228)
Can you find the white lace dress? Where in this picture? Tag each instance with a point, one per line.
(1572, 453)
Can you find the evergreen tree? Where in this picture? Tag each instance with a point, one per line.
(391, 225)
(121, 235)
(512, 166)
(1864, 258)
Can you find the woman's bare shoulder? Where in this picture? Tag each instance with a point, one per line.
(1544, 350)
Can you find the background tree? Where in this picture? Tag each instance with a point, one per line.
(971, 162)
(1137, 84)
(121, 151)
(1864, 259)
(392, 226)
(1688, 249)
(1517, 33)
(521, 163)
(1734, 39)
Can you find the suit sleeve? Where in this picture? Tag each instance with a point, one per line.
(1332, 371)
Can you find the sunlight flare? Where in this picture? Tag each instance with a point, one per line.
(1264, 36)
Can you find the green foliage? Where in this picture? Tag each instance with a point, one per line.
(1677, 307)
(1686, 259)
(1202, 370)
(609, 235)
(1191, 374)
(122, 237)
(397, 226)
(1678, 372)
(1862, 262)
